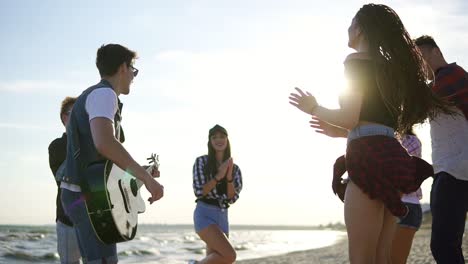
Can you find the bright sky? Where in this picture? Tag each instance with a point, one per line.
(201, 63)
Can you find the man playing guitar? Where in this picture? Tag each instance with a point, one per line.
(93, 136)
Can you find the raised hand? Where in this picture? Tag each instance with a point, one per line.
(229, 169)
(222, 169)
(325, 128)
(305, 102)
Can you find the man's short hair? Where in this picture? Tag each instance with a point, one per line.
(109, 58)
(426, 40)
(66, 106)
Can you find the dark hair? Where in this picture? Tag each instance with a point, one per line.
(109, 58)
(426, 40)
(66, 105)
(410, 132)
(401, 74)
(212, 168)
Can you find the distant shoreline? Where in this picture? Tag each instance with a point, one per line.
(333, 227)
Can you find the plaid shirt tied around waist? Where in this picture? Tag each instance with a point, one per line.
(382, 169)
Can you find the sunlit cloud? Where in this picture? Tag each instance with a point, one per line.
(43, 86)
(26, 126)
(26, 86)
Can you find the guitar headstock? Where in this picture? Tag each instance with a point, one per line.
(154, 160)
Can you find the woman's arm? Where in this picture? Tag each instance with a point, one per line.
(230, 180)
(327, 129)
(199, 180)
(235, 185)
(200, 186)
(346, 117)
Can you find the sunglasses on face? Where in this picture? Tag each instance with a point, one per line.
(134, 70)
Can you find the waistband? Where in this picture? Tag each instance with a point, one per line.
(70, 186)
(370, 130)
(213, 202)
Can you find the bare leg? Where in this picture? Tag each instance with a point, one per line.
(364, 220)
(218, 247)
(384, 248)
(401, 246)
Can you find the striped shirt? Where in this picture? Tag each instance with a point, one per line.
(451, 83)
(200, 179)
(413, 146)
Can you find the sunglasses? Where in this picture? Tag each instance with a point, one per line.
(134, 70)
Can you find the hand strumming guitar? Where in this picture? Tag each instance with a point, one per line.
(154, 188)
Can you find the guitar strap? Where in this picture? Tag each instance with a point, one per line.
(118, 120)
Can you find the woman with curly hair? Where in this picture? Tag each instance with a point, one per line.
(388, 94)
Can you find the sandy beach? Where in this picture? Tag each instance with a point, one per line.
(338, 253)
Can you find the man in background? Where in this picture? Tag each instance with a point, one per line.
(449, 135)
(67, 245)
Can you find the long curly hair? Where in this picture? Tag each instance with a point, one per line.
(401, 72)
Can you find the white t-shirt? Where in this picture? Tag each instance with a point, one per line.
(102, 102)
(449, 135)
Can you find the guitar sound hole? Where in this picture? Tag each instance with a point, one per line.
(134, 187)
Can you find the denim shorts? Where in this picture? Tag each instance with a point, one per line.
(67, 244)
(207, 214)
(91, 248)
(413, 219)
(370, 130)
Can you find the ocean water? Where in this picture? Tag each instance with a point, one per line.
(166, 243)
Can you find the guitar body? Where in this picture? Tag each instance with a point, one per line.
(113, 202)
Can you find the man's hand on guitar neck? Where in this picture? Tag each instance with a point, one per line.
(153, 171)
